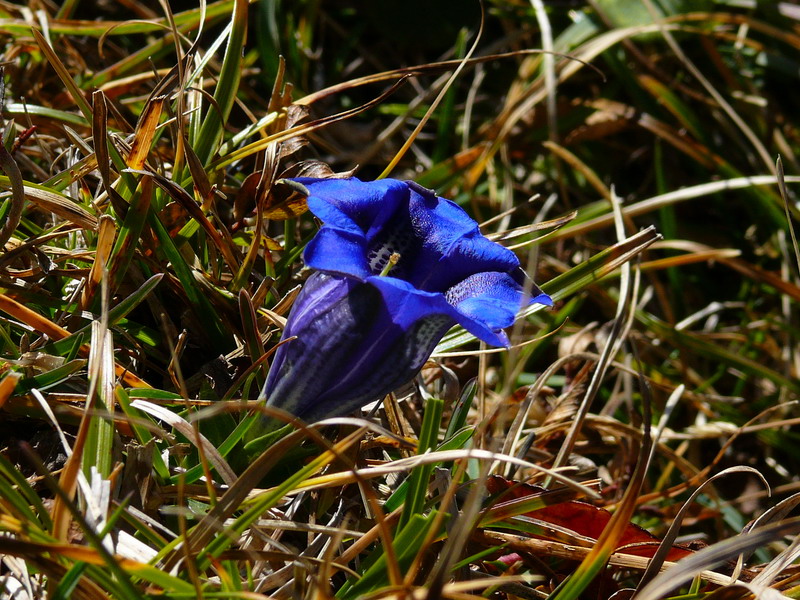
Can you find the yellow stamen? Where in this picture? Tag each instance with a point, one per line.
(393, 260)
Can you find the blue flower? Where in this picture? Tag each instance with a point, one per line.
(366, 325)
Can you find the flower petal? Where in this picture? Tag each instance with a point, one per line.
(410, 304)
(356, 205)
(407, 326)
(493, 299)
(339, 252)
(452, 246)
(353, 213)
(319, 294)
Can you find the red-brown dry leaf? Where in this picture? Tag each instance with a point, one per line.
(584, 519)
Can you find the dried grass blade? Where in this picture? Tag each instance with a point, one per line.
(600, 265)
(204, 531)
(553, 224)
(228, 83)
(670, 198)
(785, 197)
(576, 163)
(674, 529)
(87, 554)
(92, 445)
(130, 232)
(7, 385)
(101, 374)
(726, 257)
(245, 270)
(298, 130)
(432, 108)
(14, 214)
(255, 347)
(715, 555)
(610, 348)
(106, 233)
(577, 278)
(571, 552)
(56, 332)
(520, 506)
(517, 110)
(58, 204)
(199, 175)
(185, 21)
(608, 541)
(723, 103)
(182, 197)
(774, 513)
(706, 256)
(145, 132)
(405, 464)
(63, 74)
(33, 319)
(100, 141)
(394, 74)
(187, 430)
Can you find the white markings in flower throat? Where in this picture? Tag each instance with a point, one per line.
(474, 285)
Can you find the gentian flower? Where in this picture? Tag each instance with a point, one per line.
(395, 268)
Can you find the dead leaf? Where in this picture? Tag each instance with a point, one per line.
(583, 519)
(284, 202)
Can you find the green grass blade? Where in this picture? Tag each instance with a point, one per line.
(227, 85)
(420, 476)
(204, 310)
(407, 544)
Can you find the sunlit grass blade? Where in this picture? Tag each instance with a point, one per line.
(225, 93)
(106, 234)
(51, 378)
(130, 232)
(22, 500)
(56, 203)
(182, 197)
(168, 179)
(63, 74)
(227, 504)
(12, 216)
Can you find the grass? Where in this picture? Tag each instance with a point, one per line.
(149, 262)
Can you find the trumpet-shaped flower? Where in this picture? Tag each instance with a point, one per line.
(395, 266)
